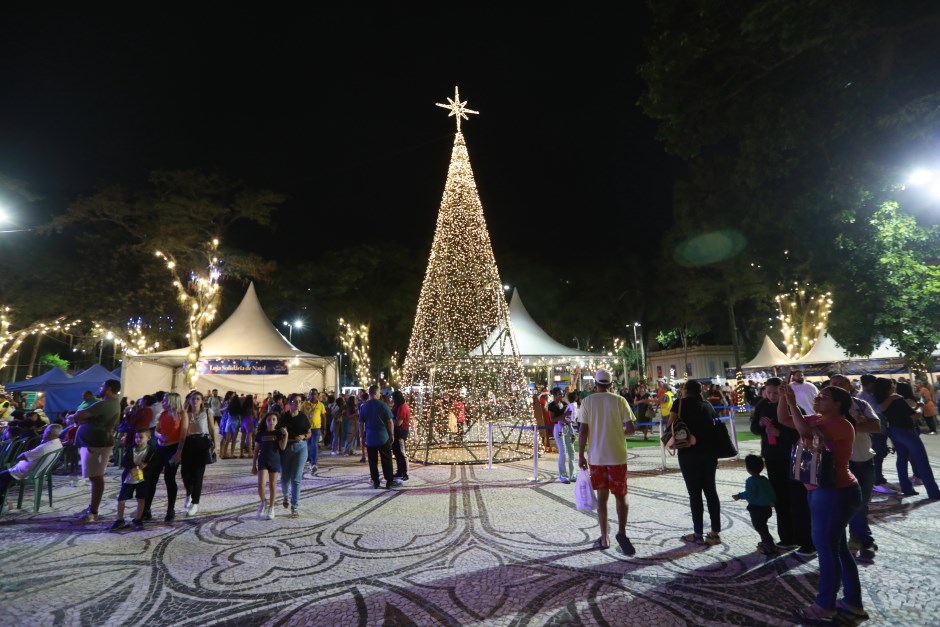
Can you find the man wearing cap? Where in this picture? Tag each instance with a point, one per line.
(605, 421)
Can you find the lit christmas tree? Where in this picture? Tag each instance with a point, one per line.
(462, 365)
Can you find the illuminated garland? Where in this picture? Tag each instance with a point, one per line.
(131, 340)
(10, 341)
(355, 340)
(394, 370)
(463, 367)
(802, 315)
(202, 292)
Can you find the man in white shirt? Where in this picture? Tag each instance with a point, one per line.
(606, 420)
(27, 460)
(804, 391)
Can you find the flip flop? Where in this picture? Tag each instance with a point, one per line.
(625, 545)
(599, 545)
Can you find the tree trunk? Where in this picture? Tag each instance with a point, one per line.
(32, 359)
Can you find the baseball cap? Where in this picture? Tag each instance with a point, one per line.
(602, 377)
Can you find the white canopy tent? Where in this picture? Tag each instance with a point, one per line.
(824, 351)
(246, 335)
(769, 356)
(533, 344)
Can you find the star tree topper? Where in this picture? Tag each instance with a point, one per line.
(457, 109)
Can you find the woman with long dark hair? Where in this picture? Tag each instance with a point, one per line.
(402, 413)
(351, 416)
(232, 426)
(699, 462)
(200, 442)
(904, 434)
(830, 507)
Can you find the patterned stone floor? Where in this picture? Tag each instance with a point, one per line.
(456, 546)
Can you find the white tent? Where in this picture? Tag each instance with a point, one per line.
(824, 351)
(532, 343)
(247, 335)
(769, 356)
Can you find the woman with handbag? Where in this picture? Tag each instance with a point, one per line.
(199, 450)
(832, 504)
(698, 462)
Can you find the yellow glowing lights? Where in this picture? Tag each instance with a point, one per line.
(355, 340)
(202, 289)
(462, 366)
(10, 341)
(802, 315)
(457, 108)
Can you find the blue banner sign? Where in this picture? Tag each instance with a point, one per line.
(242, 366)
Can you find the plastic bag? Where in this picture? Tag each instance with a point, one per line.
(583, 494)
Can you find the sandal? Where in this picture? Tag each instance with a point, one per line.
(693, 538)
(851, 610)
(712, 538)
(599, 545)
(815, 615)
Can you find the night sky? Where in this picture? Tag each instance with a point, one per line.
(335, 108)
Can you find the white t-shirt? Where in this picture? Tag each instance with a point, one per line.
(606, 414)
(22, 467)
(805, 393)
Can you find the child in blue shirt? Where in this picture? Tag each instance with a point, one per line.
(760, 498)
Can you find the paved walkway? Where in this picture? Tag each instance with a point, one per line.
(456, 546)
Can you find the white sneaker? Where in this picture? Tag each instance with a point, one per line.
(270, 513)
(186, 502)
(262, 510)
(193, 509)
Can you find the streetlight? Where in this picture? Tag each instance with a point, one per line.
(109, 336)
(290, 328)
(638, 344)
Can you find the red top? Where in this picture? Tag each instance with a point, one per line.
(839, 436)
(403, 413)
(168, 429)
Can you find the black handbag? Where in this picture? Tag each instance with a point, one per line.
(813, 465)
(724, 445)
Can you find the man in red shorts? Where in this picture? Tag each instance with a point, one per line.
(606, 420)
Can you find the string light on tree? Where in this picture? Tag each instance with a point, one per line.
(10, 341)
(803, 313)
(355, 341)
(200, 294)
(462, 365)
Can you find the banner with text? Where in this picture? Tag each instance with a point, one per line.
(242, 366)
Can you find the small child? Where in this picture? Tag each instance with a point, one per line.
(269, 442)
(133, 484)
(760, 498)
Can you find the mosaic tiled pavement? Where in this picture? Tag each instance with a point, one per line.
(457, 546)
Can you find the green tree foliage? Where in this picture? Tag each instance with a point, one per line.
(895, 274)
(795, 119)
(117, 231)
(51, 360)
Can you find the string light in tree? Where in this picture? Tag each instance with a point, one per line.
(199, 295)
(355, 341)
(131, 340)
(803, 312)
(10, 341)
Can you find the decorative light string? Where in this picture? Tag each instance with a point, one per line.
(200, 294)
(10, 341)
(803, 313)
(355, 341)
(462, 366)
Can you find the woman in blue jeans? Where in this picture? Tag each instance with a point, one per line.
(906, 439)
(294, 455)
(831, 506)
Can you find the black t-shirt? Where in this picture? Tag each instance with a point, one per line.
(558, 414)
(785, 441)
(296, 425)
(899, 414)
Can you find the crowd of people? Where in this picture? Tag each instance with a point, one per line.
(165, 434)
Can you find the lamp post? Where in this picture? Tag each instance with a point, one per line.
(638, 344)
(109, 336)
(339, 372)
(290, 328)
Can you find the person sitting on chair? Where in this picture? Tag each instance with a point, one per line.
(26, 461)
